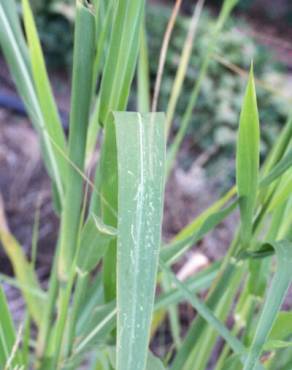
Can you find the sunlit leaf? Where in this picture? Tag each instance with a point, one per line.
(247, 159)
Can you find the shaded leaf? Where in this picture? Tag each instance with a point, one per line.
(95, 238)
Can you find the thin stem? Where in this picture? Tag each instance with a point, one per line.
(58, 339)
(163, 53)
(223, 16)
(183, 64)
(44, 334)
(80, 289)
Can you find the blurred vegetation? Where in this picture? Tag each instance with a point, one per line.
(215, 119)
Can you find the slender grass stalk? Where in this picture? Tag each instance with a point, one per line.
(80, 106)
(173, 315)
(26, 341)
(82, 282)
(227, 7)
(206, 313)
(7, 333)
(43, 89)
(11, 13)
(163, 52)
(143, 75)
(122, 57)
(35, 235)
(57, 339)
(42, 348)
(183, 64)
(277, 292)
(22, 268)
(103, 33)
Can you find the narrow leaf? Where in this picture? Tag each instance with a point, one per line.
(195, 225)
(200, 281)
(282, 192)
(143, 75)
(101, 324)
(247, 159)
(11, 13)
(206, 313)
(281, 167)
(141, 158)
(176, 249)
(273, 302)
(43, 87)
(20, 69)
(84, 48)
(7, 332)
(225, 11)
(122, 57)
(22, 269)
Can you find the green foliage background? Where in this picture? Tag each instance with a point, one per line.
(215, 119)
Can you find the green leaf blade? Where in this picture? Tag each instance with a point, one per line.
(247, 158)
(280, 168)
(273, 302)
(43, 87)
(141, 154)
(7, 332)
(83, 60)
(16, 54)
(122, 57)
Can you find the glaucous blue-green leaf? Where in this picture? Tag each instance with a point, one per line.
(153, 362)
(141, 173)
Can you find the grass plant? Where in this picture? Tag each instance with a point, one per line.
(100, 310)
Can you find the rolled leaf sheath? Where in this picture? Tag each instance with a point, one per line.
(84, 41)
